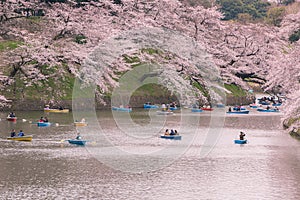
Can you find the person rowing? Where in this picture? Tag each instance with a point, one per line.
(242, 135)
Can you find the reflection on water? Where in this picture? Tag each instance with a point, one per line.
(50, 168)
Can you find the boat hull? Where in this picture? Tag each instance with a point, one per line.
(121, 109)
(171, 137)
(57, 110)
(11, 119)
(77, 142)
(173, 108)
(239, 112)
(26, 138)
(43, 124)
(240, 141)
(80, 124)
(207, 109)
(147, 106)
(265, 110)
(197, 110)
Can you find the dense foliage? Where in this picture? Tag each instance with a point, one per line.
(257, 9)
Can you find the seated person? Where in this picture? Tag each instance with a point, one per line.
(21, 133)
(46, 119)
(167, 132)
(78, 136)
(13, 133)
(229, 109)
(172, 132)
(176, 133)
(41, 119)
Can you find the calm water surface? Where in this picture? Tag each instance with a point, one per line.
(50, 168)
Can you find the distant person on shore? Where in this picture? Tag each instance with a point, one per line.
(242, 135)
(21, 133)
(13, 133)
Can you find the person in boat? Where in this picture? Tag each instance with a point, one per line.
(268, 107)
(167, 132)
(46, 119)
(276, 108)
(82, 120)
(172, 132)
(163, 107)
(176, 133)
(13, 133)
(21, 133)
(242, 135)
(78, 137)
(229, 109)
(12, 114)
(42, 119)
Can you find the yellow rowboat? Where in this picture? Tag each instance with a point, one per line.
(56, 110)
(23, 138)
(80, 124)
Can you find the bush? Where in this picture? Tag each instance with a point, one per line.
(295, 36)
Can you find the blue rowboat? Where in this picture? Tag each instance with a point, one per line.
(253, 106)
(171, 137)
(173, 108)
(197, 110)
(122, 109)
(240, 141)
(43, 124)
(236, 108)
(77, 142)
(148, 106)
(266, 110)
(276, 104)
(239, 112)
(264, 103)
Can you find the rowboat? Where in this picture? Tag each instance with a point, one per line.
(171, 137)
(239, 112)
(207, 109)
(264, 103)
(236, 108)
(197, 110)
(267, 110)
(43, 124)
(149, 106)
(173, 108)
(11, 119)
(253, 106)
(80, 123)
(121, 109)
(56, 110)
(276, 104)
(240, 141)
(164, 113)
(77, 142)
(22, 138)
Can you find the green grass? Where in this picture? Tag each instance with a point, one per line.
(235, 90)
(151, 89)
(131, 59)
(201, 89)
(9, 45)
(151, 51)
